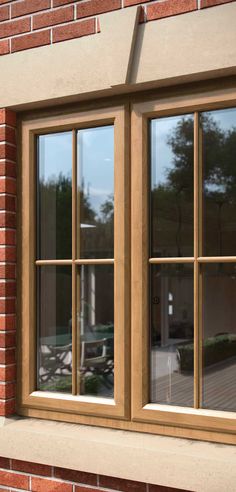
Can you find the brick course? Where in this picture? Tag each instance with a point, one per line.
(75, 30)
(171, 7)
(45, 478)
(4, 13)
(27, 24)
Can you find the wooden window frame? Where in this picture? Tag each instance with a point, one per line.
(28, 396)
(142, 410)
(132, 411)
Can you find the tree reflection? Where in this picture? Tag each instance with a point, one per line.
(54, 217)
(96, 226)
(172, 201)
(219, 187)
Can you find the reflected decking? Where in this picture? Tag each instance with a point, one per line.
(218, 390)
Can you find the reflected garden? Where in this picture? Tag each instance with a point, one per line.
(95, 283)
(171, 286)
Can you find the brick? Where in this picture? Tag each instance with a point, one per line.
(32, 468)
(8, 253)
(93, 7)
(44, 485)
(7, 151)
(170, 7)
(79, 488)
(7, 391)
(8, 323)
(7, 117)
(8, 289)
(7, 168)
(4, 462)
(8, 134)
(6, 408)
(7, 339)
(4, 13)
(58, 3)
(8, 185)
(8, 373)
(212, 3)
(7, 356)
(76, 476)
(129, 3)
(121, 484)
(3, 1)
(30, 41)
(14, 480)
(7, 305)
(53, 17)
(75, 30)
(7, 271)
(7, 219)
(14, 27)
(7, 237)
(28, 7)
(4, 47)
(7, 202)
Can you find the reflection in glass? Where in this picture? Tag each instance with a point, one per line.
(96, 322)
(96, 187)
(219, 332)
(171, 317)
(54, 328)
(219, 185)
(54, 196)
(171, 221)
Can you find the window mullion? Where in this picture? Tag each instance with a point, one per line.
(74, 267)
(196, 264)
(200, 252)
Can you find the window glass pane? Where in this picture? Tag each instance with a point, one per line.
(96, 322)
(54, 194)
(54, 328)
(96, 187)
(219, 332)
(171, 221)
(171, 317)
(219, 185)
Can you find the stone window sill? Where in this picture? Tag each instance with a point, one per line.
(171, 462)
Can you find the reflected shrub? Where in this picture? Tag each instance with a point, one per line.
(215, 349)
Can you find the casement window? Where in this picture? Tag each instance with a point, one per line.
(91, 236)
(75, 277)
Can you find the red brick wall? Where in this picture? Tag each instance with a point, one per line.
(26, 476)
(7, 260)
(27, 24)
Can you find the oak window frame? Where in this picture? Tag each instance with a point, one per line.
(28, 395)
(142, 410)
(133, 411)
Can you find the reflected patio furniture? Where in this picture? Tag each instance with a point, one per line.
(97, 359)
(55, 361)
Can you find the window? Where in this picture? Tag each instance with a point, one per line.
(80, 221)
(75, 272)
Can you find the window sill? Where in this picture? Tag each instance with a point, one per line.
(167, 461)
